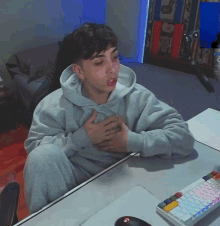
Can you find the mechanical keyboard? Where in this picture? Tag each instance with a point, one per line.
(191, 204)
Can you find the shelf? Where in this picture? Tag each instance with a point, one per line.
(176, 64)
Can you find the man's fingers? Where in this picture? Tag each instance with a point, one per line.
(105, 144)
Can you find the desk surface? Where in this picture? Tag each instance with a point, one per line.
(161, 178)
(205, 127)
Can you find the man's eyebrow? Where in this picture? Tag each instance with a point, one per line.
(103, 55)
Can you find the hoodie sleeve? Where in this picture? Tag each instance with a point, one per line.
(47, 128)
(160, 130)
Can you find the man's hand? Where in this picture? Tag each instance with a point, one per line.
(118, 143)
(104, 130)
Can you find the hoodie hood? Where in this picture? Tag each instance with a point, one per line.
(72, 87)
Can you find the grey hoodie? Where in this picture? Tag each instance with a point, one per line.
(155, 128)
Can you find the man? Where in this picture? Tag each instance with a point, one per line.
(75, 133)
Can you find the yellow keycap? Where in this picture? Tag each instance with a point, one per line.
(170, 206)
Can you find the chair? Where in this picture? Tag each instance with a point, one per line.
(31, 72)
(9, 203)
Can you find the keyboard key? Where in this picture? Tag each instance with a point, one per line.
(179, 214)
(173, 198)
(197, 202)
(191, 199)
(210, 175)
(217, 176)
(187, 195)
(183, 198)
(187, 203)
(216, 196)
(162, 205)
(184, 207)
(170, 206)
(186, 217)
(185, 211)
(194, 212)
(191, 193)
(194, 190)
(214, 173)
(167, 201)
(181, 204)
(208, 197)
(200, 207)
(178, 194)
(205, 203)
(197, 209)
(175, 210)
(212, 181)
(191, 209)
(194, 205)
(180, 200)
(198, 193)
(195, 197)
(199, 187)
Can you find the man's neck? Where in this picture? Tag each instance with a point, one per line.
(98, 98)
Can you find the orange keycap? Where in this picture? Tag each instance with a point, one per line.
(170, 206)
(217, 176)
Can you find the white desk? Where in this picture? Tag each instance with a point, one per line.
(162, 178)
(205, 127)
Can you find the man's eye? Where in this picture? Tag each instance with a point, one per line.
(99, 63)
(102, 61)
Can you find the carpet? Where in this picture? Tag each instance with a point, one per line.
(13, 157)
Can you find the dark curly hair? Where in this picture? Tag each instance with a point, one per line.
(81, 44)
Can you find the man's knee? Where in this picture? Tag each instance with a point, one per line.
(43, 154)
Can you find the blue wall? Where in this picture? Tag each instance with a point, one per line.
(97, 13)
(209, 23)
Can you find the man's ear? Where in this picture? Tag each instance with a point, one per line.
(76, 69)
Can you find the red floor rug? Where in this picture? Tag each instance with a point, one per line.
(13, 157)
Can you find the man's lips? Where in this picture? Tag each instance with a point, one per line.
(112, 80)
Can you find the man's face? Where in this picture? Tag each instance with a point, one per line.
(98, 70)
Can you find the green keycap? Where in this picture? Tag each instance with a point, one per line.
(210, 175)
(173, 198)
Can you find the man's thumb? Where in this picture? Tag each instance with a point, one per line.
(93, 116)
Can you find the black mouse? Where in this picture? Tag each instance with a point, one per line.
(130, 221)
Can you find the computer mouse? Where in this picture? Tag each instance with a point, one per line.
(130, 221)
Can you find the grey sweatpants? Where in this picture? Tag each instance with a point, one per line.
(48, 175)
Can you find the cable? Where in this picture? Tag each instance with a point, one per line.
(201, 76)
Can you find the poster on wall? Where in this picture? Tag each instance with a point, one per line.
(210, 32)
(209, 25)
